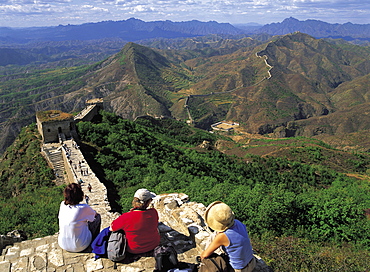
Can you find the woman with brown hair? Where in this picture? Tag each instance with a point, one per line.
(79, 224)
(140, 224)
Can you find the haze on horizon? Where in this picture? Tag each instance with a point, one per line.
(28, 13)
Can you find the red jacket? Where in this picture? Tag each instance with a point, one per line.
(141, 229)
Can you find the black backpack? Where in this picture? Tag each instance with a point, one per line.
(165, 258)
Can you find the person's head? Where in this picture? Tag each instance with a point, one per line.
(142, 199)
(219, 216)
(73, 194)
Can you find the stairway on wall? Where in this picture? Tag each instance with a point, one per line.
(54, 154)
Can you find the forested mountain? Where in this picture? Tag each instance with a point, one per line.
(291, 85)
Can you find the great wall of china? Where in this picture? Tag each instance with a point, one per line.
(181, 224)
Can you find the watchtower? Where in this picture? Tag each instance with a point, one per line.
(54, 125)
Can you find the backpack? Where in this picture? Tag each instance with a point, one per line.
(165, 258)
(215, 263)
(116, 247)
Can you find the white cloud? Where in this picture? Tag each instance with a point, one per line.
(54, 12)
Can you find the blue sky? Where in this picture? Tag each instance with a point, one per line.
(26, 13)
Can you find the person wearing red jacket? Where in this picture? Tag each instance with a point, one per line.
(140, 224)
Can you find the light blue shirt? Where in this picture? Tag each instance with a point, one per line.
(240, 249)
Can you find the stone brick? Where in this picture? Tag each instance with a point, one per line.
(26, 252)
(131, 269)
(43, 248)
(21, 265)
(38, 262)
(5, 266)
(79, 268)
(12, 254)
(55, 257)
(92, 265)
(73, 260)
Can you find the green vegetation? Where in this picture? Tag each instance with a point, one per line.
(289, 253)
(29, 88)
(29, 200)
(301, 217)
(308, 151)
(273, 196)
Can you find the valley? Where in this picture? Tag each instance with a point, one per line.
(293, 85)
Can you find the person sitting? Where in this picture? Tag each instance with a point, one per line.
(232, 236)
(79, 224)
(140, 224)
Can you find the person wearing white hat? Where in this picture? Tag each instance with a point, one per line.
(232, 236)
(140, 224)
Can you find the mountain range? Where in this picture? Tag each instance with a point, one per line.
(287, 85)
(135, 30)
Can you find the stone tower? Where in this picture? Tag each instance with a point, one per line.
(54, 125)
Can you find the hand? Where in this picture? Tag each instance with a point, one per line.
(203, 255)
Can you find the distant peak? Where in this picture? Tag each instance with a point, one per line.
(290, 20)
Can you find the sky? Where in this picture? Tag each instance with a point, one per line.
(27, 13)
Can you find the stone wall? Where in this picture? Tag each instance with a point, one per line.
(71, 175)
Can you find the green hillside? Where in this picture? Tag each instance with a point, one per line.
(296, 205)
(29, 199)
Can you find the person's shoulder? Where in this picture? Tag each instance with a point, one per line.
(83, 206)
(153, 210)
(238, 222)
